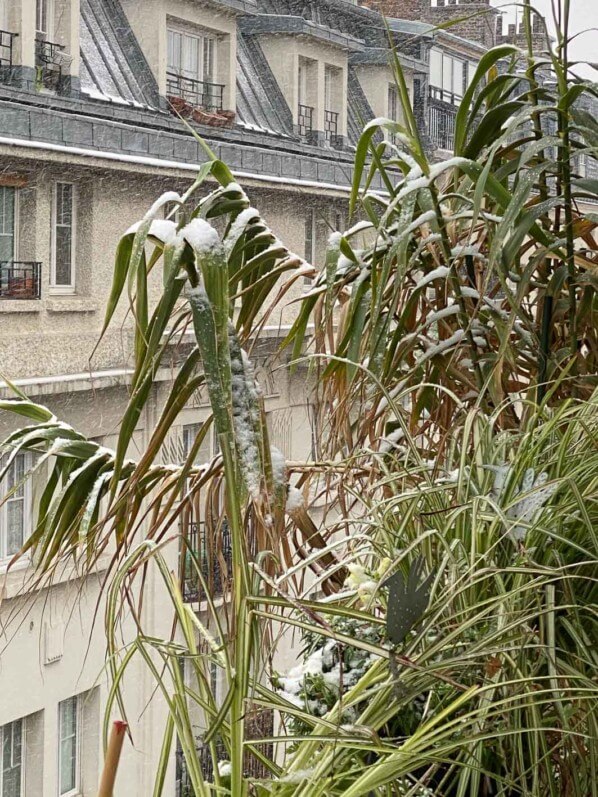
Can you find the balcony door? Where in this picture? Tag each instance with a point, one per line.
(192, 56)
(8, 224)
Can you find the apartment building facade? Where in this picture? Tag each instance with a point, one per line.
(91, 94)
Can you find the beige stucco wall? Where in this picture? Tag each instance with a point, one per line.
(375, 80)
(283, 54)
(57, 335)
(31, 686)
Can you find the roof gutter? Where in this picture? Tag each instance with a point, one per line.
(158, 163)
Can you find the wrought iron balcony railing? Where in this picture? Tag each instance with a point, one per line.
(436, 93)
(259, 724)
(207, 555)
(198, 93)
(50, 58)
(305, 121)
(20, 279)
(441, 125)
(331, 127)
(6, 47)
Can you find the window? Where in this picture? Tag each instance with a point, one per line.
(328, 88)
(68, 746)
(42, 18)
(11, 774)
(15, 509)
(302, 82)
(192, 56)
(209, 445)
(8, 214)
(3, 14)
(62, 275)
(393, 102)
(448, 76)
(310, 241)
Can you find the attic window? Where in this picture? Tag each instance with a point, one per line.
(191, 70)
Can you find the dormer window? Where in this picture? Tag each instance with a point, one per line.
(449, 76)
(192, 68)
(51, 59)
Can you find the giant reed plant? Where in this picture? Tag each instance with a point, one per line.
(456, 349)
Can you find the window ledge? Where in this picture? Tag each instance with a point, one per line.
(20, 305)
(70, 304)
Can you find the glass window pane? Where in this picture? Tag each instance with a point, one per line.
(7, 223)
(63, 256)
(174, 51)
(458, 76)
(447, 73)
(471, 72)
(67, 724)
(15, 476)
(436, 68)
(328, 89)
(15, 522)
(191, 57)
(63, 235)
(209, 59)
(12, 758)
(41, 16)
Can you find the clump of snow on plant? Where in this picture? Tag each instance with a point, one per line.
(279, 466)
(201, 236)
(438, 273)
(238, 227)
(294, 500)
(161, 229)
(535, 492)
(245, 392)
(169, 196)
(225, 769)
(328, 670)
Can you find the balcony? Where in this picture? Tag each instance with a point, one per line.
(50, 58)
(198, 550)
(442, 95)
(6, 46)
(20, 279)
(441, 123)
(305, 121)
(259, 724)
(197, 93)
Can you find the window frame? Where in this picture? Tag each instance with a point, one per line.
(438, 83)
(15, 234)
(75, 791)
(204, 37)
(5, 558)
(302, 79)
(190, 431)
(21, 762)
(71, 287)
(48, 5)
